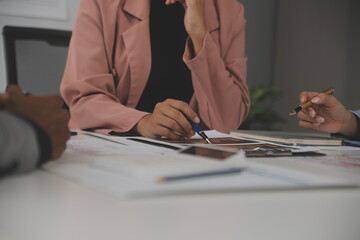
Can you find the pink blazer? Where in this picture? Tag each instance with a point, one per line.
(109, 63)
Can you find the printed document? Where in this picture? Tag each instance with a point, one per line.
(129, 169)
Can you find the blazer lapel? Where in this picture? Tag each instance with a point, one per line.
(137, 8)
(137, 43)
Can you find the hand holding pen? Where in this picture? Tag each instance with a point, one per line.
(199, 131)
(307, 103)
(171, 118)
(326, 114)
(168, 120)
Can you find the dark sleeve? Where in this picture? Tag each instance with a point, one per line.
(44, 141)
(357, 134)
(23, 145)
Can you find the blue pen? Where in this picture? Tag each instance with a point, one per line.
(198, 130)
(202, 174)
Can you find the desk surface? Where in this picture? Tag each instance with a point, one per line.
(41, 206)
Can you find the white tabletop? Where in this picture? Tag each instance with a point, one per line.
(41, 206)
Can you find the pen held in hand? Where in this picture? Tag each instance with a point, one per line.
(309, 103)
(198, 130)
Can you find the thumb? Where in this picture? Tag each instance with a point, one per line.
(14, 90)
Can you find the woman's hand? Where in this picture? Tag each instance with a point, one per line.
(326, 114)
(168, 120)
(194, 21)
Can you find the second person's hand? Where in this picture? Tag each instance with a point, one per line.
(168, 120)
(326, 114)
(46, 111)
(4, 98)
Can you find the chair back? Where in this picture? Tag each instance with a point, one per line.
(35, 58)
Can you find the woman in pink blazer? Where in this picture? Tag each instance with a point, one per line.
(141, 65)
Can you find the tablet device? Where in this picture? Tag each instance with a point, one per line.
(218, 154)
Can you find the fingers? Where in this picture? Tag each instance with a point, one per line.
(324, 99)
(155, 125)
(14, 90)
(309, 125)
(184, 108)
(4, 99)
(168, 120)
(174, 119)
(178, 111)
(162, 131)
(15, 94)
(311, 118)
(168, 2)
(54, 100)
(183, 2)
(318, 98)
(309, 111)
(307, 96)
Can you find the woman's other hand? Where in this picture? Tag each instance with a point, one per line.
(194, 21)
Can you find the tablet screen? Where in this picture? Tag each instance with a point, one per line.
(208, 152)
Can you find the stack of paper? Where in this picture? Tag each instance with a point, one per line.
(123, 167)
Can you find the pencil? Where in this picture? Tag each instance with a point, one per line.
(202, 174)
(309, 103)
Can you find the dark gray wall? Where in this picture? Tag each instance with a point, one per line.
(352, 80)
(317, 46)
(304, 45)
(260, 17)
(34, 22)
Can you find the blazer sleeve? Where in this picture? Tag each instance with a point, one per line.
(88, 85)
(219, 72)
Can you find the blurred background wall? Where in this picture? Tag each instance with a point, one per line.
(317, 46)
(304, 45)
(291, 45)
(14, 20)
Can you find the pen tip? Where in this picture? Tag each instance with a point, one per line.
(161, 180)
(292, 112)
(208, 141)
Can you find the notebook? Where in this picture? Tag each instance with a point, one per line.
(295, 138)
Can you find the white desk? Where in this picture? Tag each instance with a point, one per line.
(41, 206)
